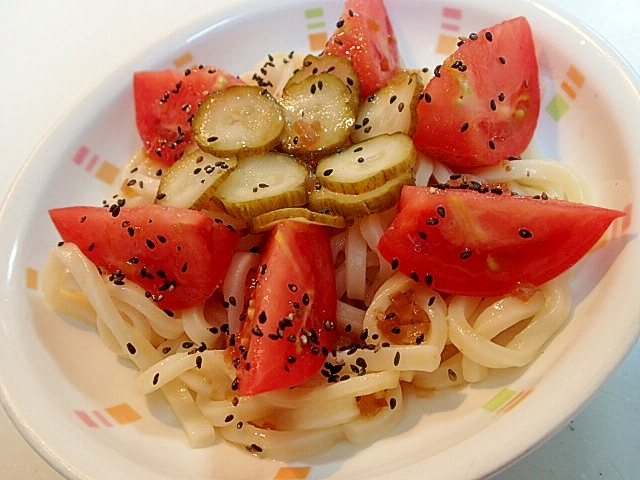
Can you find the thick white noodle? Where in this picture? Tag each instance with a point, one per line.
(134, 295)
(531, 176)
(365, 430)
(367, 384)
(423, 169)
(196, 327)
(234, 286)
(525, 345)
(278, 444)
(428, 299)
(372, 227)
(133, 345)
(355, 263)
(448, 374)
(441, 172)
(348, 315)
(61, 295)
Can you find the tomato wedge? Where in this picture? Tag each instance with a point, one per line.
(364, 35)
(165, 102)
(469, 243)
(483, 103)
(289, 329)
(179, 256)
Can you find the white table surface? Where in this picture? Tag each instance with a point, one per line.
(53, 52)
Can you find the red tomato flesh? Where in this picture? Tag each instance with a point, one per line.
(483, 105)
(365, 36)
(469, 243)
(165, 102)
(178, 256)
(289, 328)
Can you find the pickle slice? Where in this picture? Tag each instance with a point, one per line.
(192, 180)
(353, 206)
(336, 65)
(264, 182)
(319, 117)
(237, 121)
(367, 165)
(268, 220)
(393, 108)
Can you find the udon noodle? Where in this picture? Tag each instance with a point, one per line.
(362, 391)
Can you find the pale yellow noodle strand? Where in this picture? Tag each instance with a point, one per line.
(365, 430)
(133, 345)
(525, 345)
(234, 286)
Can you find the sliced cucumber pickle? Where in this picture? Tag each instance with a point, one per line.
(319, 116)
(353, 206)
(193, 179)
(336, 65)
(264, 182)
(393, 108)
(367, 165)
(268, 220)
(237, 121)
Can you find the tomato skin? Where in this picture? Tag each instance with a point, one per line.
(166, 100)
(289, 330)
(469, 243)
(143, 242)
(364, 35)
(487, 112)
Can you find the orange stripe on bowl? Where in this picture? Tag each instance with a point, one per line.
(568, 90)
(575, 76)
(292, 473)
(515, 401)
(183, 60)
(123, 413)
(107, 172)
(447, 44)
(317, 41)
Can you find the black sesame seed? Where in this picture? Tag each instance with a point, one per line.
(466, 253)
(524, 233)
(396, 359)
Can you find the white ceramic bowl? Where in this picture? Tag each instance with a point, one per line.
(72, 399)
